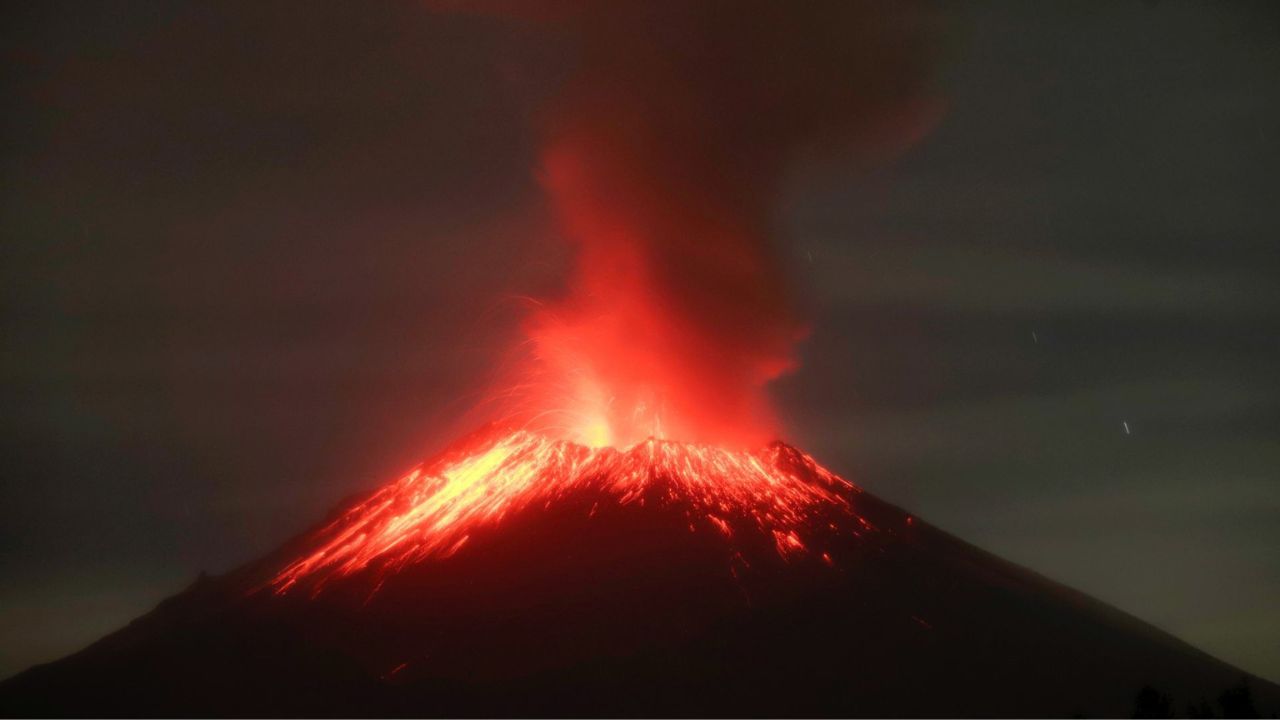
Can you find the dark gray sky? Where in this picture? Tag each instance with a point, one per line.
(259, 256)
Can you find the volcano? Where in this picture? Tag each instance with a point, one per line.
(517, 574)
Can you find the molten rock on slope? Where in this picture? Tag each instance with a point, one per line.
(430, 512)
(519, 575)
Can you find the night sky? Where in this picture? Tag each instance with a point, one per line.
(260, 256)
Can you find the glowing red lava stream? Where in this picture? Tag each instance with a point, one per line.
(431, 512)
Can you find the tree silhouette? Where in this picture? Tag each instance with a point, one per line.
(1237, 702)
(1151, 703)
(1200, 710)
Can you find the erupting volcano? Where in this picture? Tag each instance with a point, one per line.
(629, 537)
(431, 512)
(517, 574)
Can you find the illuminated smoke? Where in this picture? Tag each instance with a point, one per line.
(663, 154)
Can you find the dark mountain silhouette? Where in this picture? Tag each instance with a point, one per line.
(587, 605)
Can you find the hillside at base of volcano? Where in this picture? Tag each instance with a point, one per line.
(627, 598)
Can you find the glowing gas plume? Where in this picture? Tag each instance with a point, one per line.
(432, 511)
(663, 154)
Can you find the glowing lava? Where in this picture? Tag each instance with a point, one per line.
(663, 153)
(432, 511)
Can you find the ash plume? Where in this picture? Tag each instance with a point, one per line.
(663, 154)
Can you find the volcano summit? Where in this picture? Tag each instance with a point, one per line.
(517, 574)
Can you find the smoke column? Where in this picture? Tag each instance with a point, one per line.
(663, 153)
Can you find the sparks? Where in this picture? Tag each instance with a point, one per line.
(432, 511)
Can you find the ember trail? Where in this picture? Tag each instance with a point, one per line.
(431, 512)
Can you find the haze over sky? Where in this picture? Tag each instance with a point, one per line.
(260, 256)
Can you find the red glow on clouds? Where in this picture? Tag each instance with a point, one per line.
(663, 154)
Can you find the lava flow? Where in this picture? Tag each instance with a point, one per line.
(432, 511)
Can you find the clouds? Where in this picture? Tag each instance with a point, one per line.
(1087, 239)
(1011, 280)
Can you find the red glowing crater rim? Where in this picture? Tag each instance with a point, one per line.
(431, 512)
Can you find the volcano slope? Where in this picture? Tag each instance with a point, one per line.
(515, 575)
